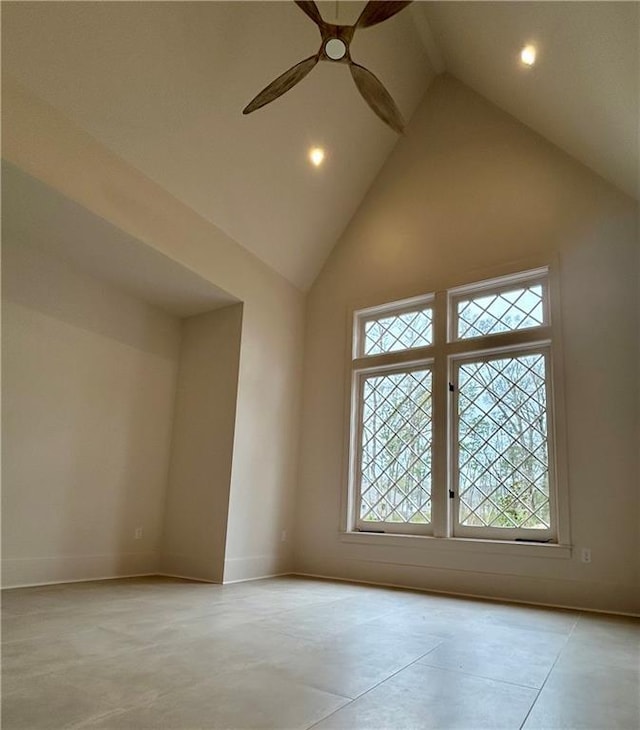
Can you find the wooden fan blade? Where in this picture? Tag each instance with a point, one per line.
(282, 84)
(377, 97)
(375, 12)
(311, 9)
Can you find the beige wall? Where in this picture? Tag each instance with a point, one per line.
(88, 388)
(265, 461)
(197, 503)
(466, 191)
(43, 143)
(265, 453)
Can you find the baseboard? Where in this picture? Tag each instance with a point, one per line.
(188, 577)
(497, 599)
(24, 572)
(76, 580)
(191, 567)
(259, 577)
(140, 575)
(255, 567)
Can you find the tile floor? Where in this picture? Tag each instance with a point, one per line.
(160, 654)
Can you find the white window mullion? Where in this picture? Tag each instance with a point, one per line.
(552, 446)
(439, 496)
(452, 447)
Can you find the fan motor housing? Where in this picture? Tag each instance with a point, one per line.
(342, 33)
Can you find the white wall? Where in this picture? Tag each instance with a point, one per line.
(469, 190)
(43, 143)
(88, 388)
(197, 504)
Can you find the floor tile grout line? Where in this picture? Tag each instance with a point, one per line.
(138, 649)
(564, 646)
(249, 622)
(190, 614)
(356, 625)
(146, 702)
(480, 676)
(257, 663)
(366, 692)
(222, 605)
(132, 650)
(72, 632)
(415, 661)
(88, 722)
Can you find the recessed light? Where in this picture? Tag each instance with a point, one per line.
(316, 155)
(528, 55)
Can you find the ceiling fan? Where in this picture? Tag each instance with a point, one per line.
(335, 48)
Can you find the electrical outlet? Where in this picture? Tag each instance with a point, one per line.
(283, 536)
(585, 555)
(137, 535)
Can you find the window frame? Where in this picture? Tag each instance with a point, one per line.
(442, 356)
(497, 285)
(501, 533)
(359, 377)
(405, 306)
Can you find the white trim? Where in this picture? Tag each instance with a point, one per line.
(495, 599)
(259, 577)
(188, 577)
(460, 544)
(440, 403)
(499, 283)
(257, 566)
(557, 408)
(398, 306)
(320, 576)
(53, 569)
(78, 580)
(142, 575)
(386, 360)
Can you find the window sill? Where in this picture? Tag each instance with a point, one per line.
(460, 544)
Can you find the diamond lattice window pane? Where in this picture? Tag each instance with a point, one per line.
(395, 459)
(503, 463)
(398, 332)
(488, 314)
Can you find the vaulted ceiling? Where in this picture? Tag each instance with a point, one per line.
(163, 85)
(582, 94)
